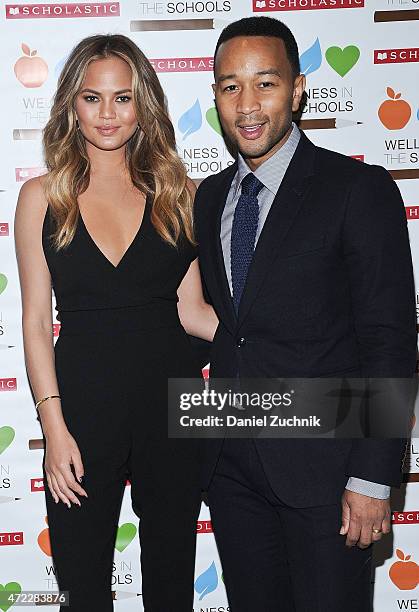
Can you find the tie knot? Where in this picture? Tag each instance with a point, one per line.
(251, 185)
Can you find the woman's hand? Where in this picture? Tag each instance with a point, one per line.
(62, 452)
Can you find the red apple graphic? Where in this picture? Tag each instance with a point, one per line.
(31, 70)
(404, 573)
(394, 113)
(44, 541)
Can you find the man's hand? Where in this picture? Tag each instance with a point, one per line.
(361, 515)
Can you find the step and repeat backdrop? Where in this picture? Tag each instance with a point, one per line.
(361, 61)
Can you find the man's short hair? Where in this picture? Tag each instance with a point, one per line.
(263, 26)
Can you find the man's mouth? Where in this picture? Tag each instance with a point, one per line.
(251, 132)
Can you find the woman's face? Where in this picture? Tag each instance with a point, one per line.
(104, 106)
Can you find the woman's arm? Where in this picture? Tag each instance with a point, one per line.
(197, 317)
(35, 283)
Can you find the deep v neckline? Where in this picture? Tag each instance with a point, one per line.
(130, 246)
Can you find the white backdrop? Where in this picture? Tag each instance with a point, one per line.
(360, 60)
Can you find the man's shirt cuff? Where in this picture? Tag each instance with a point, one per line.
(366, 487)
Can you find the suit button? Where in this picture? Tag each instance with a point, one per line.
(241, 342)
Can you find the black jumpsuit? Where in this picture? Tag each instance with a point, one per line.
(120, 340)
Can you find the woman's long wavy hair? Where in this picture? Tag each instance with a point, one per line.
(151, 155)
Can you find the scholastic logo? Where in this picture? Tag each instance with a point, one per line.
(4, 229)
(37, 484)
(11, 538)
(56, 329)
(183, 64)
(396, 56)
(70, 10)
(204, 527)
(8, 384)
(360, 158)
(405, 518)
(412, 212)
(261, 6)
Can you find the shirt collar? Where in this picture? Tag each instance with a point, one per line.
(271, 172)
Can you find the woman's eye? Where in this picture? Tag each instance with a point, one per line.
(92, 98)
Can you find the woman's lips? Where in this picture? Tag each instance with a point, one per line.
(107, 131)
(251, 132)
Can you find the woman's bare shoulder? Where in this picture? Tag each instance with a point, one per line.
(32, 204)
(32, 195)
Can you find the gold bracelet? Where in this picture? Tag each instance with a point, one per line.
(44, 399)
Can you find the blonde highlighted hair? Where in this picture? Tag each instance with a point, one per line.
(151, 155)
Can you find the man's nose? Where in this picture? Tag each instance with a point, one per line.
(248, 101)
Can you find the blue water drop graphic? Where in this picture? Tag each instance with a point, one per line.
(311, 59)
(207, 582)
(191, 120)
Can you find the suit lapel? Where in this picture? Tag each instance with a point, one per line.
(284, 210)
(220, 289)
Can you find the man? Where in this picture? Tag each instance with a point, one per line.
(305, 256)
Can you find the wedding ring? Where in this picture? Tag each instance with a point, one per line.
(376, 531)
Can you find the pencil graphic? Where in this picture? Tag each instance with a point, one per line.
(117, 595)
(36, 444)
(5, 500)
(5, 346)
(400, 175)
(326, 124)
(403, 15)
(27, 134)
(168, 25)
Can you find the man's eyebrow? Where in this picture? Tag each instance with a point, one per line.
(274, 71)
(226, 77)
(98, 92)
(268, 71)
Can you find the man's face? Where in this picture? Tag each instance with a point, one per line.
(255, 94)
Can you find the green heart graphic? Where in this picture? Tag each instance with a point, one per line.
(342, 60)
(7, 435)
(125, 535)
(212, 118)
(11, 588)
(3, 282)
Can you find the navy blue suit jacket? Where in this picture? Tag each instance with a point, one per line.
(329, 292)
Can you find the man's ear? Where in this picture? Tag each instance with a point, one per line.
(297, 94)
(214, 87)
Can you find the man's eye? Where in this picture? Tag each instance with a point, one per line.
(230, 88)
(266, 84)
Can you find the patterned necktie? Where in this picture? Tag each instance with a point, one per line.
(243, 234)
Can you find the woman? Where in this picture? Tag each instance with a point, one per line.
(110, 227)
